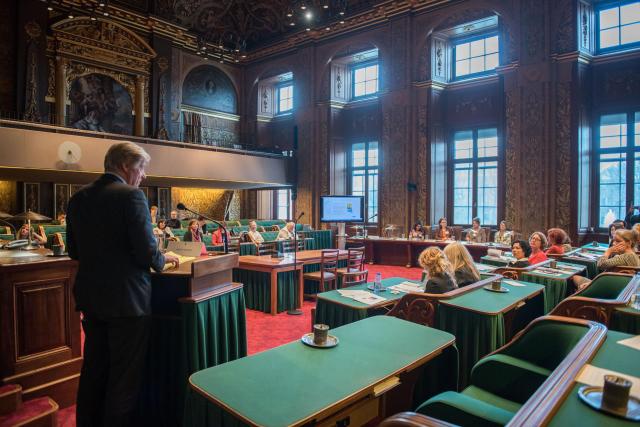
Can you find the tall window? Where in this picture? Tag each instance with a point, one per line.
(475, 56)
(283, 204)
(475, 176)
(619, 25)
(285, 98)
(364, 176)
(365, 79)
(618, 148)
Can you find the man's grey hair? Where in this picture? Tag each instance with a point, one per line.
(124, 154)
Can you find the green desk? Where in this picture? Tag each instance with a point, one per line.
(335, 310)
(486, 268)
(611, 355)
(626, 319)
(555, 281)
(295, 384)
(592, 265)
(599, 248)
(483, 321)
(497, 261)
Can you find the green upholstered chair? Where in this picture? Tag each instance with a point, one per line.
(47, 229)
(7, 236)
(269, 236)
(179, 233)
(504, 380)
(606, 292)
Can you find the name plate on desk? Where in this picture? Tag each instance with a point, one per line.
(188, 249)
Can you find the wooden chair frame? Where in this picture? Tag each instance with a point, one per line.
(328, 264)
(596, 309)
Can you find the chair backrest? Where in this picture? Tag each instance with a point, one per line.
(290, 245)
(329, 260)
(266, 249)
(624, 269)
(355, 258)
(355, 279)
(606, 286)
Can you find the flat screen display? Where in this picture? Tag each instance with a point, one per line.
(342, 208)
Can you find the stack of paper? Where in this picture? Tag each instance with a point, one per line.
(364, 297)
(513, 283)
(181, 259)
(407, 287)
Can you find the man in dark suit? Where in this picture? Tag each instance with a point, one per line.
(113, 285)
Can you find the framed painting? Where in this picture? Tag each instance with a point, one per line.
(31, 196)
(61, 195)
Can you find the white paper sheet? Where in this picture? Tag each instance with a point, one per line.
(513, 283)
(633, 342)
(594, 376)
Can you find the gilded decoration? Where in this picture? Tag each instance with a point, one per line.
(75, 70)
(51, 78)
(211, 202)
(563, 156)
(512, 120)
(103, 41)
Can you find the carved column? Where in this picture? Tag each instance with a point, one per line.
(139, 123)
(61, 91)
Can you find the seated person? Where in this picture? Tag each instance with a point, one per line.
(622, 253)
(174, 222)
(203, 224)
(566, 244)
(618, 224)
(216, 237)
(503, 236)
(538, 242)
(521, 252)
(464, 268)
(630, 219)
(153, 210)
(161, 230)
(253, 233)
(23, 234)
(417, 232)
(440, 278)
(193, 234)
(442, 232)
(476, 234)
(287, 232)
(556, 238)
(61, 219)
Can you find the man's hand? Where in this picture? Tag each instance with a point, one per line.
(172, 259)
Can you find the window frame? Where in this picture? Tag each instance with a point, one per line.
(358, 66)
(367, 169)
(606, 6)
(278, 87)
(629, 157)
(276, 204)
(468, 39)
(475, 161)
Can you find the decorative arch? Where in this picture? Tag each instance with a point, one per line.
(209, 88)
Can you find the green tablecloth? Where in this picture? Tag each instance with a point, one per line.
(323, 238)
(499, 262)
(626, 319)
(258, 290)
(245, 248)
(477, 321)
(592, 266)
(555, 283)
(287, 384)
(613, 356)
(203, 335)
(330, 308)
(600, 247)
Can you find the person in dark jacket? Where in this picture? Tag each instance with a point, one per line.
(521, 252)
(113, 285)
(440, 277)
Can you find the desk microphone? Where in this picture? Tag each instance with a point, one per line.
(225, 241)
(300, 216)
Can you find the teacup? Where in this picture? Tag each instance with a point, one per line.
(615, 393)
(553, 263)
(320, 333)
(57, 249)
(496, 285)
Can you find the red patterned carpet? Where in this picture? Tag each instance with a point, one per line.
(265, 331)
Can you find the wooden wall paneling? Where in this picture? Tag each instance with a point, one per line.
(437, 143)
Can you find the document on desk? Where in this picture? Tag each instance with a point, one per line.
(181, 260)
(407, 287)
(364, 297)
(513, 283)
(633, 342)
(594, 376)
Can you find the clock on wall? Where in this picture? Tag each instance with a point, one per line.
(70, 153)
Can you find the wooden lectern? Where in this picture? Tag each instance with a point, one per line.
(198, 322)
(39, 327)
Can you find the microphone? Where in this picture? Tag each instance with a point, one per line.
(225, 241)
(300, 216)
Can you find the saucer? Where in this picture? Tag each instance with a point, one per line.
(331, 341)
(58, 256)
(592, 396)
(501, 290)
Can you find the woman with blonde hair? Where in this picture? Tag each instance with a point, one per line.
(439, 272)
(464, 268)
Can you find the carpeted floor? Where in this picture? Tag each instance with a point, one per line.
(265, 331)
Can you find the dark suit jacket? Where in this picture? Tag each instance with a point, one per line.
(188, 236)
(439, 284)
(109, 232)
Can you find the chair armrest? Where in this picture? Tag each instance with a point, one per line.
(412, 419)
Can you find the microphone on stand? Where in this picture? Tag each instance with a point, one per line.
(225, 241)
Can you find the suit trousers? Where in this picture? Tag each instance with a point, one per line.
(111, 377)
